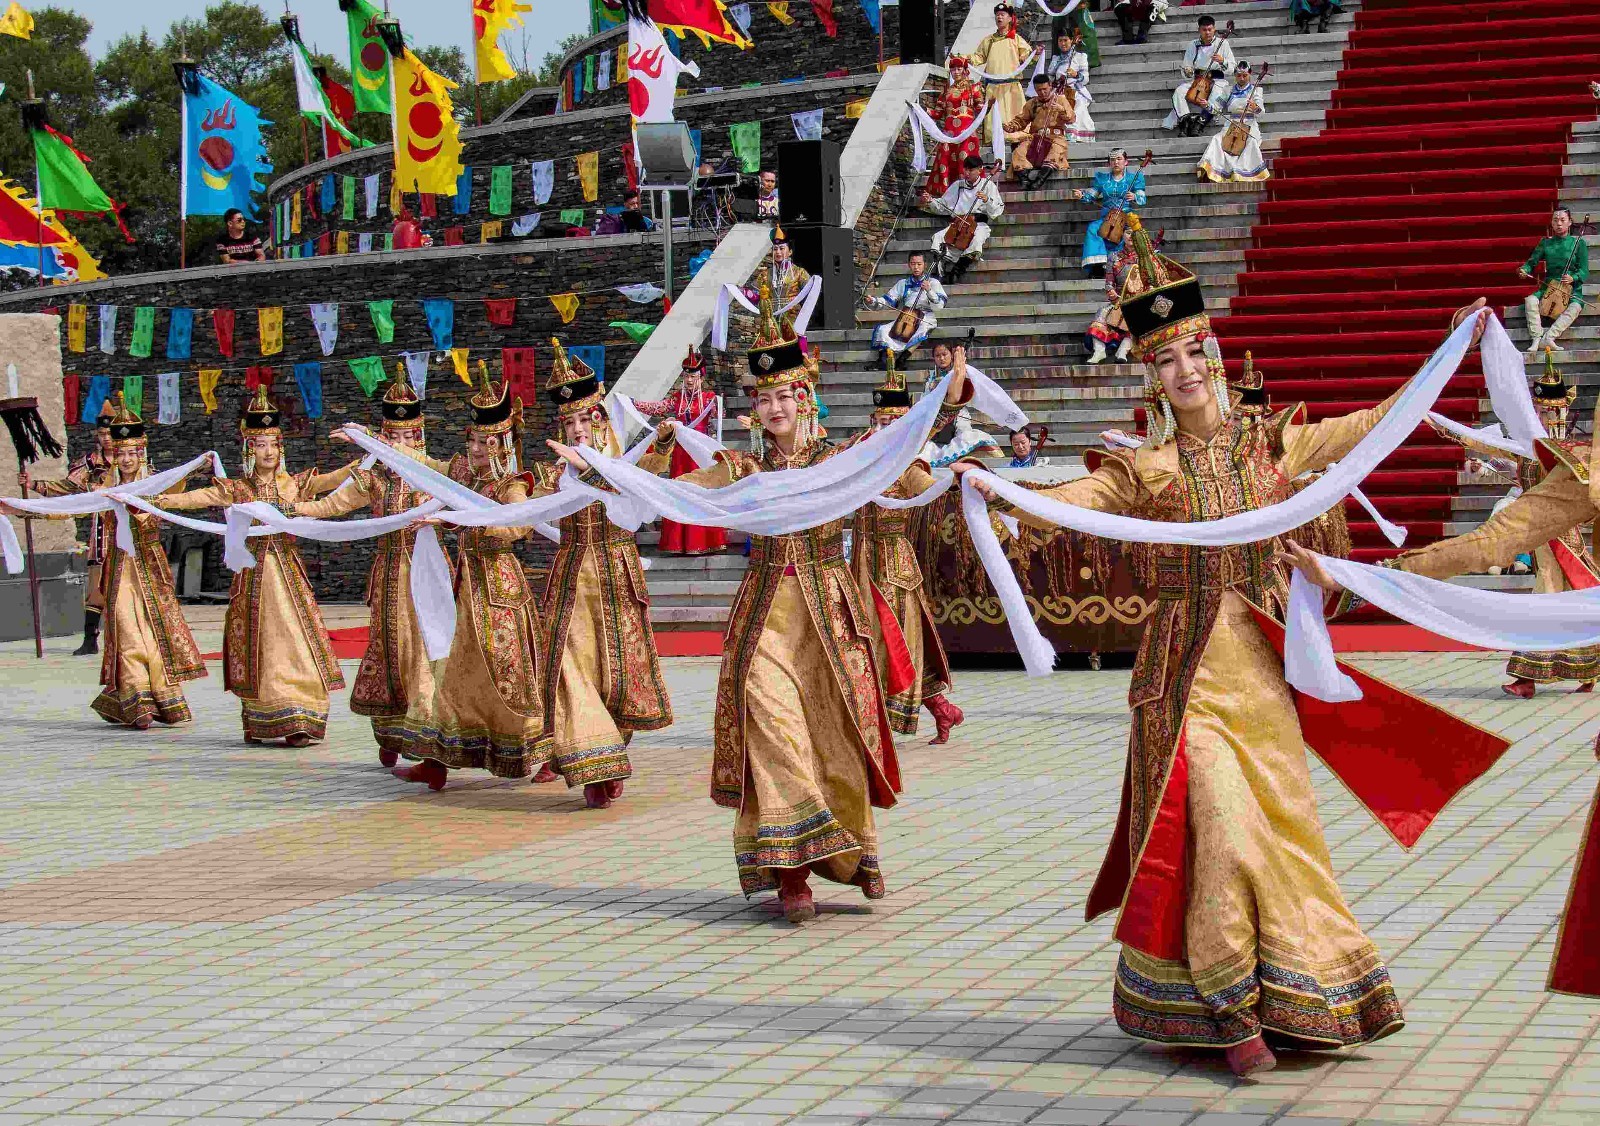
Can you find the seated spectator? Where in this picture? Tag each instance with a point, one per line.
(630, 219)
(1023, 454)
(236, 245)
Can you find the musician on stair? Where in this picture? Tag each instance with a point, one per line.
(1234, 154)
(1039, 133)
(1207, 61)
(1070, 70)
(1565, 256)
(973, 202)
(916, 297)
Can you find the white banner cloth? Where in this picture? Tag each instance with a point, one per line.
(922, 124)
(1490, 619)
(325, 319)
(805, 301)
(1409, 409)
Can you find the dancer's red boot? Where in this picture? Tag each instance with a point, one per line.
(545, 774)
(1521, 688)
(429, 772)
(614, 789)
(794, 896)
(945, 717)
(1251, 1058)
(388, 757)
(596, 795)
(1586, 686)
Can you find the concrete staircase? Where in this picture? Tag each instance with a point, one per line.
(1029, 301)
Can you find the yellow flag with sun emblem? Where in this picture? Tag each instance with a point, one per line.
(489, 19)
(427, 148)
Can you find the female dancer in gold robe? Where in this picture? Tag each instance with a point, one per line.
(395, 678)
(803, 747)
(1553, 397)
(487, 711)
(886, 569)
(1231, 920)
(276, 656)
(602, 678)
(149, 651)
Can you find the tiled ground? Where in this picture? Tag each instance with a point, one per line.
(197, 930)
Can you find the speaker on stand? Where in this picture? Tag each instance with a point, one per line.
(809, 190)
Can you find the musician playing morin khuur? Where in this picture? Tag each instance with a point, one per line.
(1004, 53)
(915, 297)
(1069, 69)
(1117, 190)
(1039, 133)
(1564, 257)
(1207, 62)
(1234, 154)
(973, 202)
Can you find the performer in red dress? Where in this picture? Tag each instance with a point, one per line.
(694, 406)
(961, 102)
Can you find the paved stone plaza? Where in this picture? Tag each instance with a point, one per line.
(198, 930)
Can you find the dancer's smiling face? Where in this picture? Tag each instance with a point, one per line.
(129, 459)
(267, 449)
(577, 430)
(1181, 367)
(480, 449)
(777, 408)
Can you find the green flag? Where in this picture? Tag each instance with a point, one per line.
(369, 58)
(382, 320)
(500, 190)
(144, 330)
(368, 371)
(133, 393)
(347, 197)
(636, 332)
(745, 139)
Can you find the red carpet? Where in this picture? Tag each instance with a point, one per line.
(351, 644)
(1426, 189)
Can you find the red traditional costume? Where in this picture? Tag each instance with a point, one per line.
(956, 109)
(697, 410)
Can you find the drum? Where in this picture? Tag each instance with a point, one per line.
(905, 326)
(1557, 296)
(1234, 138)
(1114, 226)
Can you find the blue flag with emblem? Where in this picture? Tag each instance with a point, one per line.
(224, 153)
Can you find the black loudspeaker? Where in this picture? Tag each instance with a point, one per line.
(919, 21)
(827, 253)
(808, 183)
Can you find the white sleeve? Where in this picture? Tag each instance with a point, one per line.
(1225, 57)
(936, 294)
(996, 203)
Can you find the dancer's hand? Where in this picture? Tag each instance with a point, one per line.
(569, 455)
(1309, 566)
(1480, 308)
(984, 490)
(958, 374)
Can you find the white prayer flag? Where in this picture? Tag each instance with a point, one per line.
(544, 180)
(325, 317)
(108, 329)
(641, 293)
(167, 398)
(807, 125)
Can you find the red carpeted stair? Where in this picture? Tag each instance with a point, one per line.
(1426, 190)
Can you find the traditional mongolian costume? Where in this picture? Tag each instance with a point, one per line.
(803, 745)
(1039, 133)
(602, 678)
(1231, 920)
(956, 109)
(149, 651)
(488, 710)
(1552, 572)
(1071, 72)
(276, 657)
(84, 475)
(1124, 192)
(1240, 106)
(924, 294)
(913, 669)
(699, 411)
(395, 678)
(1002, 55)
(1559, 255)
(1214, 58)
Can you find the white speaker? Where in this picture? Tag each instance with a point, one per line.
(666, 156)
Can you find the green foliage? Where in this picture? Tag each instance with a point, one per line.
(122, 111)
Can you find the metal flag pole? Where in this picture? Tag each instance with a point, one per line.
(184, 70)
(38, 196)
(32, 440)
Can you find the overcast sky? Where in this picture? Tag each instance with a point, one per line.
(323, 24)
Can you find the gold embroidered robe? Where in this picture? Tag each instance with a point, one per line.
(602, 675)
(1583, 662)
(86, 474)
(884, 559)
(1266, 941)
(487, 710)
(803, 747)
(395, 677)
(276, 655)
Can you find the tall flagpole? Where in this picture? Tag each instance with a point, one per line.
(183, 68)
(477, 79)
(305, 142)
(389, 32)
(38, 187)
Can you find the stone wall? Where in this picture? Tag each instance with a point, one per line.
(559, 138)
(467, 275)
